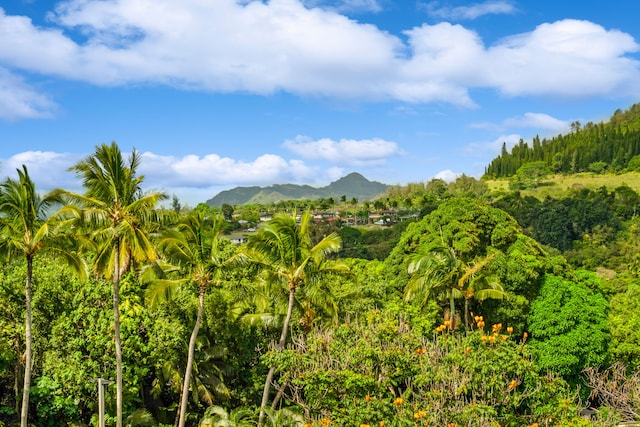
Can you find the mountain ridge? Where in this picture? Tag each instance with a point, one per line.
(353, 185)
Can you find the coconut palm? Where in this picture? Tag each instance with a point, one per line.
(26, 229)
(217, 416)
(195, 251)
(440, 273)
(116, 214)
(288, 259)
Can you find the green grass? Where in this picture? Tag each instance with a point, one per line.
(559, 186)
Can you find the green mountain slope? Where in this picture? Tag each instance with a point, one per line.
(350, 186)
(609, 146)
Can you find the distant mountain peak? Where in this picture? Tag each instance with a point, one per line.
(353, 185)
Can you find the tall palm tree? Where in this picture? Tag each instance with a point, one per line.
(284, 250)
(116, 214)
(27, 228)
(193, 249)
(442, 274)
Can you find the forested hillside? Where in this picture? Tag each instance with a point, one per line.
(440, 304)
(612, 146)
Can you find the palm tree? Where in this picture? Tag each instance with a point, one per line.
(284, 251)
(193, 249)
(442, 274)
(26, 229)
(217, 416)
(116, 213)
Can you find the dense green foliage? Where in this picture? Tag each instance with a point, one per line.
(593, 147)
(463, 307)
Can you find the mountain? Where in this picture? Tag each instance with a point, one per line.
(350, 186)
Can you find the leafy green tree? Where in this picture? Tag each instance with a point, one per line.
(568, 325)
(197, 253)
(116, 213)
(26, 229)
(625, 327)
(529, 175)
(285, 252)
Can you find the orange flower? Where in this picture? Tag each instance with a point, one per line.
(308, 425)
(481, 324)
(325, 421)
(492, 339)
(381, 424)
(452, 425)
(467, 350)
(503, 337)
(398, 401)
(419, 414)
(420, 351)
(533, 425)
(510, 329)
(483, 338)
(447, 323)
(513, 384)
(497, 327)
(441, 328)
(364, 425)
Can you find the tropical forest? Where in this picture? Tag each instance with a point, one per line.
(507, 300)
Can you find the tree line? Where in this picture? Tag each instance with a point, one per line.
(613, 146)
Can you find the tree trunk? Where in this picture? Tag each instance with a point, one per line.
(24, 413)
(283, 338)
(192, 349)
(116, 333)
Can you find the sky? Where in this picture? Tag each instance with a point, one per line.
(216, 94)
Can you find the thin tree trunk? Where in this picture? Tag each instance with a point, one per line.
(24, 414)
(466, 314)
(283, 338)
(116, 333)
(192, 349)
(452, 310)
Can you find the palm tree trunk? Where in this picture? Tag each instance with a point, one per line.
(283, 338)
(116, 333)
(24, 414)
(192, 349)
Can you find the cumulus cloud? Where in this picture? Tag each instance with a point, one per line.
(214, 170)
(365, 152)
(282, 45)
(18, 100)
(46, 168)
(473, 11)
(576, 58)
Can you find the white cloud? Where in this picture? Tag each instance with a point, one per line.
(565, 58)
(281, 45)
(47, 169)
(358, 6)
(473, 11)
(447, 175)
(18, 100)
(214, 170)
(538, 121)
(365, 152)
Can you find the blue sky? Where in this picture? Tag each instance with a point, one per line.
(221, 93)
